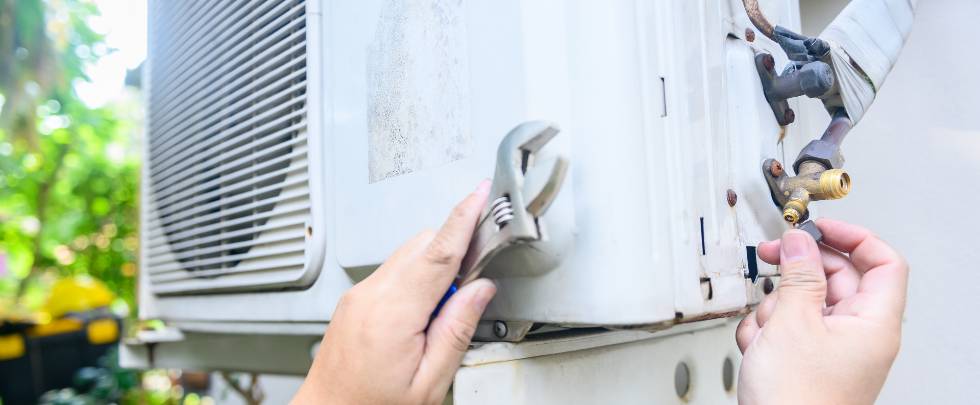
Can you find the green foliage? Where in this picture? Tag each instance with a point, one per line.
(109, 384)
(68, 172)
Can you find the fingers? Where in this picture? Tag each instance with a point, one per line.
(802, 286)
(842, 278)
(404, 256)
(438, 263)
(872, 267)
(885, 272)
(449, 336)
(450, 243)
(768, 251)
(746, 331)
(766, 307)
(866, 250)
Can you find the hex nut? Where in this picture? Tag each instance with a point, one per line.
(823, 152)
(816, 79)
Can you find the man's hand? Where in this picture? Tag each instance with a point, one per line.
(830, 332)
(380, 347)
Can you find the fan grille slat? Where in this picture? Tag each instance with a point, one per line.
(227, 171)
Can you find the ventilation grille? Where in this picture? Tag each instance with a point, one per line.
(227, 176)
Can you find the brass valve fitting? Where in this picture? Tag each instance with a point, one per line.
(813, 183)
(818, 172)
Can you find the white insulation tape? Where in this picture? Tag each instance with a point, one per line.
(871, 33)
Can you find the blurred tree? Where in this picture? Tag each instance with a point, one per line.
(68, 177)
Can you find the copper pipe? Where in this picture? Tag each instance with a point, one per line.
(758, 19)
(839, 126)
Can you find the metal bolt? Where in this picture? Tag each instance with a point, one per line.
(768, 62)
(499, 329)
(749, 35)
(789, 116)
(776, 168)
(732, 197)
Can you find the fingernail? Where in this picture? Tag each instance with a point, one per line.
(483, 296)
(483, 187)
(795, 245)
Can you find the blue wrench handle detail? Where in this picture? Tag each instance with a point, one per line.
(449, 293)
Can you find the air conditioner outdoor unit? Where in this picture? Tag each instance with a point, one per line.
(293, 145)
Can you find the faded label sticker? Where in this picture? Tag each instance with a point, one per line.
(418, 88)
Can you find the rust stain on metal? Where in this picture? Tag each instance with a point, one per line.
(705, 317)
(776, 168)
(768, 62)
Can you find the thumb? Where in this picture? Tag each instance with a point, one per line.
(449, 336)
(802, 285)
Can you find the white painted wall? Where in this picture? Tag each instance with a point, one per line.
(915, 163)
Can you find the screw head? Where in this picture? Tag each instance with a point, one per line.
(731, 197)
(767, 286)
(768, 62)
(749, 35)
(776, 168)
(499, 329)
(789, 116)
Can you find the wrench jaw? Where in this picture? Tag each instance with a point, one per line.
(520, 194)
(544, 191)
(515, 157)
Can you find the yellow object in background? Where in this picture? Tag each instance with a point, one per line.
(102, 331)
(11, 346)
(55, 327)
(77, 294)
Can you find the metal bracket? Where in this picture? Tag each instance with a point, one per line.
(773, 171)
(813, 79)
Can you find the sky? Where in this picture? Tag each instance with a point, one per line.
(123, 22)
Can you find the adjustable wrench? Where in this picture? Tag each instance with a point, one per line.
(521, 193)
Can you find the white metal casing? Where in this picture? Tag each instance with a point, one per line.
(636, 366)
(661, 113)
